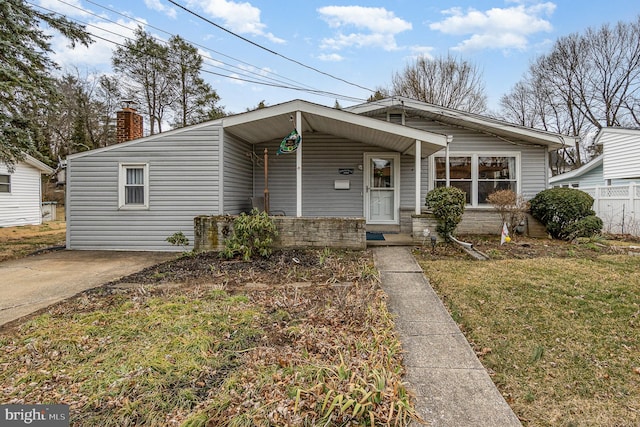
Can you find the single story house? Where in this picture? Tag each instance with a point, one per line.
(21, 192)
(374, 161)
(619, 163)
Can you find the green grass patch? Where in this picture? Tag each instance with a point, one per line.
(132, 363)
(561, 335)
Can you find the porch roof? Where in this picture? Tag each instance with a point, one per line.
(274, 122)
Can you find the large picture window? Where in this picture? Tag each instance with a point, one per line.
(478, 175)
(5, 183)
(134, 186)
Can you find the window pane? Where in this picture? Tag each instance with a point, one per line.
(487, 187)
(460, 168)
(135, 176)
(497, 168)
(134, 195)
(5, 183)
(463, 185)
(382, 173)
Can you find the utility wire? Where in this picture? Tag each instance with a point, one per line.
(267, 49)
(206, 59)
(280, 86)
(207, 48)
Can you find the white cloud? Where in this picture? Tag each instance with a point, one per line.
(496, 28)
(99, 53)
(71, 8)
(330, 57)
(423, 51)
(242, 18)
(158, 6)
(377, 27)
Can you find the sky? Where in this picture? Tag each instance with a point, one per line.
(327, 50)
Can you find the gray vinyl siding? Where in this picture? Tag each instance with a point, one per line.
(323, 156)
(183, 183)
(533, 159)
(591, 178)
(238, 175)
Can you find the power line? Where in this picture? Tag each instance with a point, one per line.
(280, 86)
(206, 59)
(267, 49)
(207, 48)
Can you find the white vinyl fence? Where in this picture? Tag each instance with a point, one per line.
(618, 206)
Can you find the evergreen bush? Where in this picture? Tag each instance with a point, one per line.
(447, 205)
(252, 235)
(560, 208)
(588, 226)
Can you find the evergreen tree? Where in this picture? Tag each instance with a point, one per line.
(194, 99)
(25, 80)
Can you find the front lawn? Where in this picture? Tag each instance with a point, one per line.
(303, 338)
(560, 335)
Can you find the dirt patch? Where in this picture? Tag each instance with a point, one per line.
(527, 248)
(281, 268)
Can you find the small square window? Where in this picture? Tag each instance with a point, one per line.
(5, 183)
(133, 192)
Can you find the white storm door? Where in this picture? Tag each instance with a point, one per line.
(381, 197)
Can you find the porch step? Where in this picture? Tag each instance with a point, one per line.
(382, 228)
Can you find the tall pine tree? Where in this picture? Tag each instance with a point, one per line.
(25, 67)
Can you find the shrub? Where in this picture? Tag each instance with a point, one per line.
(447, 205)
(178, 239)
(252, 235)
(559, 208)
(588, 226)
(511, 206)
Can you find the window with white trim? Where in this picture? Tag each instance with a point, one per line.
(133, 189)
(478, 175)
(5, 183)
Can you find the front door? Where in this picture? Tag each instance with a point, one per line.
(382, 187)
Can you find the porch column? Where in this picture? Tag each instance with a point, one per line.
(418, 169)
(299, 166)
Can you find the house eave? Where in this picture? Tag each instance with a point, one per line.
(576, 173)
(488, 125)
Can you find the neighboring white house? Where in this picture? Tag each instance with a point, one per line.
(612, 179)
(374, 161)
(619, 163)
(21, 192)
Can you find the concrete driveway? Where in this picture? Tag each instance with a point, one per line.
(31, 283)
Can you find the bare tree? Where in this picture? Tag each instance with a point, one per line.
(444, 81)
(587, 81)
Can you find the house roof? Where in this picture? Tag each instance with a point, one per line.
(274, 122)
(32, 161)
(467, 120)
(633, 132)
(576, 173)
(267, 124)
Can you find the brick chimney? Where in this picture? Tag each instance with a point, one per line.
(128, 125)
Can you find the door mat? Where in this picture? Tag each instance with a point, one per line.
(372, 235)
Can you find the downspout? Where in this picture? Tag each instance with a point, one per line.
(446, 160)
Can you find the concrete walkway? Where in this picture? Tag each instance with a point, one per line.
(451, 385)
(31, 283)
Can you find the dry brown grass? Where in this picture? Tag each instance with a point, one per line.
(16, 242)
